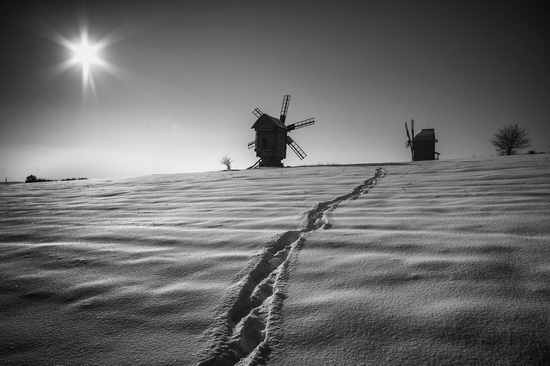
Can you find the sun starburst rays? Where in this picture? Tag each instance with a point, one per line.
(87, 54)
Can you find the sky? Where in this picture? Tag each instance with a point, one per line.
(176, 81)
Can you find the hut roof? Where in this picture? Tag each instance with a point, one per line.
(274, 120)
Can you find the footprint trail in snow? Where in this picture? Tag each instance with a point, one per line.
(247, 330)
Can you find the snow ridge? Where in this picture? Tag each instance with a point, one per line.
(249, 326)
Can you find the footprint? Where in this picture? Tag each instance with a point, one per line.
(242, 334)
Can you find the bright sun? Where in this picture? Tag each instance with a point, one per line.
(86, 53)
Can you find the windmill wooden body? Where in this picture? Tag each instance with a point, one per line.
(272, 137)
(422, 145)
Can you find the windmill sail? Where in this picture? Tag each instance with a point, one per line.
(251, 144)
(301, 124)
(409, 143)
(284, 108)
(257, 112)
(297, 149)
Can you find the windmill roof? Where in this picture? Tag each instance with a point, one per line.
(426, 134)
(274, 120)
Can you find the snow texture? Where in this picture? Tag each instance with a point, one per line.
(443, 262)
(247, 331)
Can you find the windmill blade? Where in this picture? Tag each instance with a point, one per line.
(409, 143)
(412, 129)
(297, 149)
(257, 112)
(301, 124)
(251, 144)
(284, 108)
(408, 135)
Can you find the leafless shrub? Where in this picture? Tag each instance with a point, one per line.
(226, 160)
(509, 139)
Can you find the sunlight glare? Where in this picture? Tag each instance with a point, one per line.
(85, 54)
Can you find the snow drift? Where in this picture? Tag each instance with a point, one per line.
(442, 262)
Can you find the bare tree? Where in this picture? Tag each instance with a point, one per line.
(510, 138)
(226, 160)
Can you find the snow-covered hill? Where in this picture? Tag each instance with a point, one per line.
(422, 263)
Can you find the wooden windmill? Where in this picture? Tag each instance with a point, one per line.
(272, 137)
(422, 145)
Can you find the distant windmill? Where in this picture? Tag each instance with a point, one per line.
(422, 145)
(272, 137)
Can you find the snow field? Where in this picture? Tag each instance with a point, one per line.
(249, 329)
(440, 263)
(136, 270)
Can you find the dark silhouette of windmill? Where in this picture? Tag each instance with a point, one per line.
(272, 137)
(422, 145)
